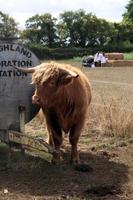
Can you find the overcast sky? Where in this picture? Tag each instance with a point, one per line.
(21, 10)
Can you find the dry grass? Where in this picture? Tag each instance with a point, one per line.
(110, 119)
(111, 112)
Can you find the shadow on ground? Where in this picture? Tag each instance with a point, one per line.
(31, 176)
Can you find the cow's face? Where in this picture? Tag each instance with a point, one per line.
(48, 83)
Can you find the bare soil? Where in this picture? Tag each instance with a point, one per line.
(105, 173)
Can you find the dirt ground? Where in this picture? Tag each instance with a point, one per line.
(105, 173)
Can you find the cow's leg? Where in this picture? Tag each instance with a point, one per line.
(57, 138)
(50, 136)
(75, 132)
(55, 135)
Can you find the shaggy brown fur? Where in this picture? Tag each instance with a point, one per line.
(64, 94)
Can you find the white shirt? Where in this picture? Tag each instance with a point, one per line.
(96, 57)
(103, 59)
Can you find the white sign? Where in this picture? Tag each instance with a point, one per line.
(15, 87)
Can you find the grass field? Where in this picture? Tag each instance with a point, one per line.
(128, 56)
(106, 145)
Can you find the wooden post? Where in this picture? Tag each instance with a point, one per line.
(22, 124)
(22, 118)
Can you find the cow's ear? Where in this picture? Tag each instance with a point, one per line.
(67, 77)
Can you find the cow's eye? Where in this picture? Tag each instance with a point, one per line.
(52, 83)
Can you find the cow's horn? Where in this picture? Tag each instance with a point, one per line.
(25, 70)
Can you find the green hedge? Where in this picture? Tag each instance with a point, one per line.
(58, 53)
(65, 53)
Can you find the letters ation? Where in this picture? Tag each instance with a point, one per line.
(17, 63)
(9, 73)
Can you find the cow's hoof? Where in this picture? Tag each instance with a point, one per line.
(83, 167)
(57, 160)
(74, 162)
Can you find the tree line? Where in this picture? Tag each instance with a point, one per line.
(77, 29)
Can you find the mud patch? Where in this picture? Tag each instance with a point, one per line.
(83, 167)
(103, 190)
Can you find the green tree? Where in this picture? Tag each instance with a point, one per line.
(41, 29)
(75, 27)
(105, 31)
(83, 30)
(129, 11)
(127, 22)
(63, 34)
(8, 26)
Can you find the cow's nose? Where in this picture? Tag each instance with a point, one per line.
(35, 99)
